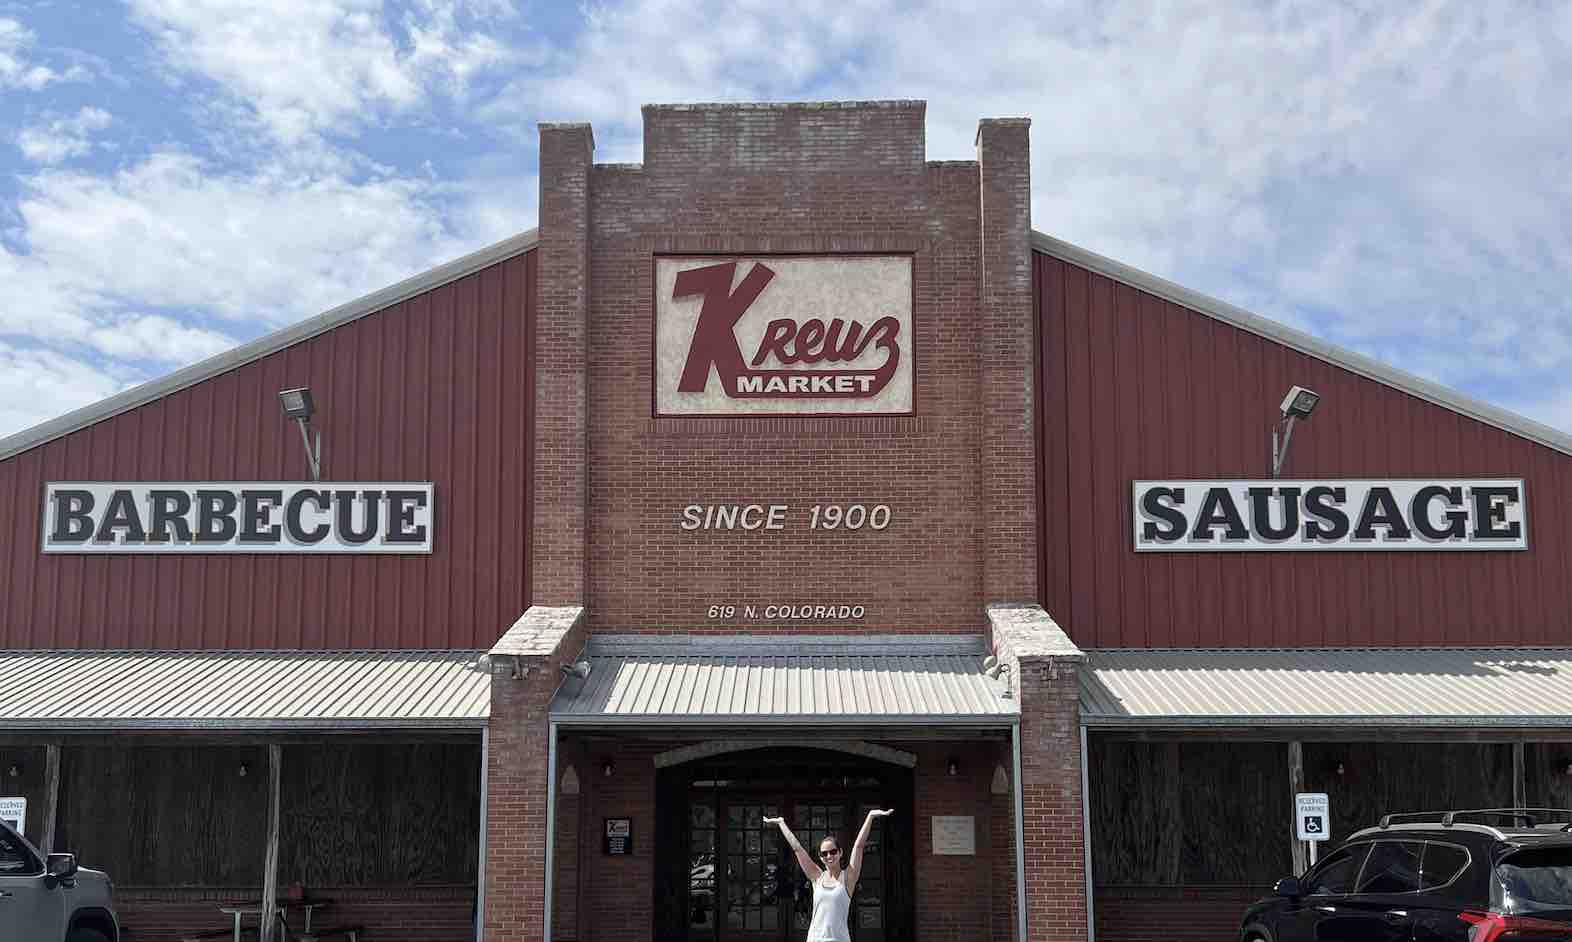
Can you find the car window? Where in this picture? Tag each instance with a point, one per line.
(1441, 865)
(1534, 880)
(15, 858)
(1393, 867)
(1336, 873)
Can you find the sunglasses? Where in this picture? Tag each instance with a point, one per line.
(832, 852)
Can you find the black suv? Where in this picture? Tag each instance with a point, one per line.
(1490, 875)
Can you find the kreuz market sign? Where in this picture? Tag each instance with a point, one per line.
(741, 336)
(1223, 516)
(230, 517)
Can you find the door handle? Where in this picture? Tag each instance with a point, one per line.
(1327, 909)
(5, 894)
(1393, 915)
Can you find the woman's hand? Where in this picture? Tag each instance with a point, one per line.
(775, 821)
(881, 813)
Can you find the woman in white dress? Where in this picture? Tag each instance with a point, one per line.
(833, 885)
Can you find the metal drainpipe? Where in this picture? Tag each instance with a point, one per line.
(480, 887)
(551, 818)
(1020, 839)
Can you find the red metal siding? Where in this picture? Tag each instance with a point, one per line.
(436, 388)
(1136, 387)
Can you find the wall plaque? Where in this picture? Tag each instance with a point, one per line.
(955, 835)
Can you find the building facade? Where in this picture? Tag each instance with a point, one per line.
(785, 472)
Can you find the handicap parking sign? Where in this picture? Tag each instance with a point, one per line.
(1312, 815)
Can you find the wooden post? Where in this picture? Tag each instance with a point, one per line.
(1519, 778)
(51, 794)
(275, 758)
(1296, 784)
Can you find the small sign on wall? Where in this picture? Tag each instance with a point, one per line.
(13, 811)
(618, 837)
(955, 835)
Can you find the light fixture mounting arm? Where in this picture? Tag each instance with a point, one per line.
(1280, 449)
(313, 452)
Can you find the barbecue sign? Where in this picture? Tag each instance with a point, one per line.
(243, 517)
(1416, 515)
(741, 336)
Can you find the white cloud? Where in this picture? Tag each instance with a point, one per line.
(62, 138)
(1394, 177)
(37, 384)
(17, 69)
(304, 67)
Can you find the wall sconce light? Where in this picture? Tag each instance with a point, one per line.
(607, 767)
(952, 768)
(1564, 766)
(1336, 769)
(14, 771)
(245, 769)
(299, 406)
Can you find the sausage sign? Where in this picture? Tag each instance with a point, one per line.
(1245, 516)
(237, 517)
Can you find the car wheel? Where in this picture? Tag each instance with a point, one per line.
(86, 935)
(1257, 935)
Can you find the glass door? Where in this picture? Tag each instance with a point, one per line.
(750, 872)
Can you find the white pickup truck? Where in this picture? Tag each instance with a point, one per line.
(51, 899)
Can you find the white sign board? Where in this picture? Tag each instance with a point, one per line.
(1312, 816)
(13, 811)
(1331, 514)
(237, 517)
(955, 835)
(783, 334)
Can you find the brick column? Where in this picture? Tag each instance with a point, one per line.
(1009, 444)
(1045, 672)
(515, 873)
(559, 552)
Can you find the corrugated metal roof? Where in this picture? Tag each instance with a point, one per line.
(749, 681)
(56, 690)
(1381, 687)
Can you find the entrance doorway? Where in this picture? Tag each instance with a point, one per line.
(729, 878)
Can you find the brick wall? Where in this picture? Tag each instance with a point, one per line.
(813, 179)
(1051, 777)
(955, 894)
(1173, 914)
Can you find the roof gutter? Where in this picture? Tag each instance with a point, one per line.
(748, 721)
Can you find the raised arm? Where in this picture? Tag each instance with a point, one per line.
(854, 866)
(809, 868)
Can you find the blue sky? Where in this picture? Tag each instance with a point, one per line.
(178, 176)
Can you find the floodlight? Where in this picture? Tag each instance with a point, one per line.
(1299, 402)
(297, 403)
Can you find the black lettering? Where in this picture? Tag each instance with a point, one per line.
(1490, 504)
(1261, 512)
(254, 511)
(344, 505)
(1381, 510)
(401, 517)
(121, 514)
(293, 510)
(73, 516)
(216, 516)
(169, 511)
(1324, 520)
(1217, 509)
(1153, 506)
(1456, 517)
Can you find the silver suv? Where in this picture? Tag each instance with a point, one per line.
(51, 899)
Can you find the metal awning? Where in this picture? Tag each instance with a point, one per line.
(241, 690)
(1381, 687)
(797, 681)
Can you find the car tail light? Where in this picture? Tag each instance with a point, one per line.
(1494, 927)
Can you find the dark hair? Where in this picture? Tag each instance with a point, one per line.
(829, 837)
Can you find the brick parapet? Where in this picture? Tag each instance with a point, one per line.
(560, 333)
(1009, 442)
